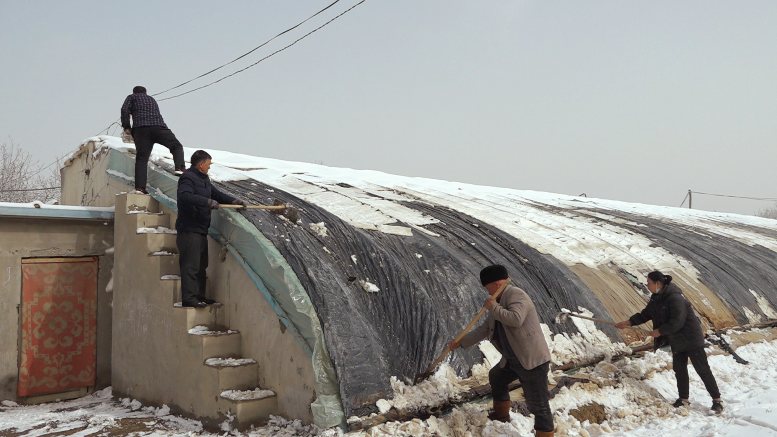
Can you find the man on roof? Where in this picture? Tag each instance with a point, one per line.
(148, 128)
(513, 327)
(196, 198)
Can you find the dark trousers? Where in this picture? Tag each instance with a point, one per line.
(699, 360)
(193, 260)
(145, 137)
(535, 389)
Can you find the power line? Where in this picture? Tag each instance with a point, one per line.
(249, 52)
(245, 54)
(737, 197)
(268, 56)
(30, 189)
(109, 126)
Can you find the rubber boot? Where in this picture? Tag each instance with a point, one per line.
(501, 411)
(544, 433)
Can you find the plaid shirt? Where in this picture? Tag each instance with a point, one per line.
(143, 109)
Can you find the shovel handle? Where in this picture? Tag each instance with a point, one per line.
(644, 331)
(229, 205)
(466, 330)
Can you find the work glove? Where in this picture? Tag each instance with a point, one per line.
(212, 204)
(239, 202)
(126, 136)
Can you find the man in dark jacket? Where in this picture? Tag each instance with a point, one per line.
(148, 128)
(674, 321)
(196, 198)
(513, 327)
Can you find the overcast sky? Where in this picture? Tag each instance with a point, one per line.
(633, 101)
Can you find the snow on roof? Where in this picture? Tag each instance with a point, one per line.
(457, 228)
(556, 224)
(43, 210)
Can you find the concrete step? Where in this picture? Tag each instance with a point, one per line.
(234, 373)
(167, 262)
(159, 242)
(143, 219)
(216, 342)
(142, 202)
(249, 407)
(170, 287)
(191, 317)
(171, 282)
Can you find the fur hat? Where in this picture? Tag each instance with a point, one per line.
(493, 273)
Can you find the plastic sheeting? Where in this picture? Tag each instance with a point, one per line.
(428, 287)
(385, 303)
(737, 272)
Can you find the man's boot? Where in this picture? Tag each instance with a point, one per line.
(501, 411)
(545, 433)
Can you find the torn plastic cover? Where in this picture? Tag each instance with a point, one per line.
(427, 287)
(274, 278)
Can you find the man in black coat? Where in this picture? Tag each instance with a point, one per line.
(148, 128)
(196, 198)
(675, 322)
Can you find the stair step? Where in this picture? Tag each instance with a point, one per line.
(142, 202)
(247, 395)
(217, 343)
(249, 407)
(158, 242)
(235, 373)
(167, 260)
(155, 230)
(197, 316)
(208, 332)
(229, 362)
(144, 219)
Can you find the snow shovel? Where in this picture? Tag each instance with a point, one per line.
(279, 208)
(562, 317)
(421, 376)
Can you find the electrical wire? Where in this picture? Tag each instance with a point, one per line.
(109, 126)
(268, 56)
(245, 54)
(737, 197)
(30, 189)
(249, 52)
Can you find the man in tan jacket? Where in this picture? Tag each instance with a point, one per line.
(514, 328)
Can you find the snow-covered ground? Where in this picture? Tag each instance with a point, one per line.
(635, 395)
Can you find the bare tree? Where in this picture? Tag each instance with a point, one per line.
(768, 212)
(24, 180)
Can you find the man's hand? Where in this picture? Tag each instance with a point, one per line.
(126, 136)
(241, 203)
(212, 204)
(655, 333)
(452, 345)
(489, 304)
(623, 324)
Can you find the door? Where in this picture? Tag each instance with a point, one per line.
(58, 325)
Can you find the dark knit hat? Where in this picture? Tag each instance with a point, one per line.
(493, 273)
(139, 90)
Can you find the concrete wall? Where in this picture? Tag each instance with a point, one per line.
(85, 181)
(43, 238)
(283, 366)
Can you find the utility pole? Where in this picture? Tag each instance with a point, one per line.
(690, 199)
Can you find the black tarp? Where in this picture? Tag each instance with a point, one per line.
(423, 301)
